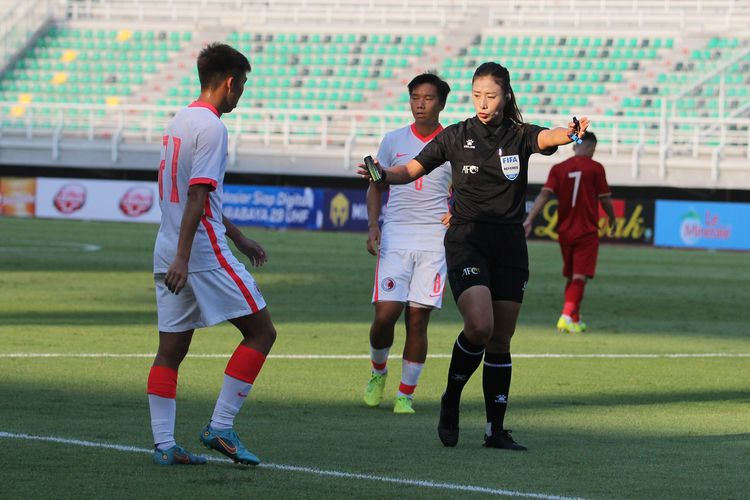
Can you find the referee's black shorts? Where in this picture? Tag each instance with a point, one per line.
(493, 255)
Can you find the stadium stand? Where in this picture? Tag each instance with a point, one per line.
(102, 77)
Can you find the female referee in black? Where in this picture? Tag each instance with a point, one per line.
(485, 245)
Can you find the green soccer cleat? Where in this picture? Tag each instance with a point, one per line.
(567, 325)
(581, 325)
(402, 405)
(374, 390)
(177, 455)
(227, 443)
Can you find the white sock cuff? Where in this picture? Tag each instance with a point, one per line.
(379, 356)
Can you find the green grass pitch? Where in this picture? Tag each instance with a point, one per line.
(596, 426)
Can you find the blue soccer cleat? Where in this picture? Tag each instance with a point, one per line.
(227, 443)
(177, 455)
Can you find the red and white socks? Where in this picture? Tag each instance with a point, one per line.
(573, 298)
(162, 389)
(410, 370)
(242, 369)
(379, 360)
(240, 374)
(410, 373)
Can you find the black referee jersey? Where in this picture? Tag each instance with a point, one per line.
(489, 166)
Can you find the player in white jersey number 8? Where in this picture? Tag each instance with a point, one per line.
(410, 270)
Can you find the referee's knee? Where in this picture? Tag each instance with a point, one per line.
(478, 334)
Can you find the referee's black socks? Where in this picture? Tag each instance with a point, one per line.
(496, 385)
(464, 362)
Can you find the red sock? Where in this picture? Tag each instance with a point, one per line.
(162, 381)
(573, 298)
(245, 364)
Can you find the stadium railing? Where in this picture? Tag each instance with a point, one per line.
(343, 133)
(697, 20)
(253, 15)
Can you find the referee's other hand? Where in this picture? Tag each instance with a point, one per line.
(364, 173)
(583, 125)
(527, 227)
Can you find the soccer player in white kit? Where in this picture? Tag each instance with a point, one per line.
(410, 271)
(198, 281)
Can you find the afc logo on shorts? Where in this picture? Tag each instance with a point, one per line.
(387, 284)
(470, 271)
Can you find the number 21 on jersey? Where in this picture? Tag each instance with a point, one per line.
(576, 184)
(174, 195)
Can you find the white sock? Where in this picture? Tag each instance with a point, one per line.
(410, 372)
(163, 411)
(379, 357)
(233, 394)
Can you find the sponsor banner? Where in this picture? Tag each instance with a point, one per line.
(345, 210)
(17, 196)
(635, 222)
(86, 199)
(703, 225)
(297, 208)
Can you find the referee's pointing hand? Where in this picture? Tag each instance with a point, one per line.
(583, 124)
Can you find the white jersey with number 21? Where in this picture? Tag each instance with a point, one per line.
(194, 152)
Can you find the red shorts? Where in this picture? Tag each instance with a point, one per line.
(579, 257)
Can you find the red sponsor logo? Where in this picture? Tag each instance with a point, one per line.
(136, 201)
(69, 198)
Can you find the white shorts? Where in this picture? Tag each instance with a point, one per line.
(414, 276)
(209, 297)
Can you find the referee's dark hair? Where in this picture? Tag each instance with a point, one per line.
(218, 61)
(502, 77)
(441, 85)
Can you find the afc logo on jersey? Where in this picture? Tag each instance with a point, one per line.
(470, 169)
(511, 166)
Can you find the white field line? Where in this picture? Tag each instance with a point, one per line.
(305, 470)
(366, 356)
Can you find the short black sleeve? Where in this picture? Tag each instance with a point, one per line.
(435, 153)
(531, 140)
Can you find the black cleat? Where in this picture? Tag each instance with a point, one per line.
(502, 439)
(448, 425)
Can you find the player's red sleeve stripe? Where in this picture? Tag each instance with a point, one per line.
(406, 389)
(225, 265)
(162, 382)
(203, 180)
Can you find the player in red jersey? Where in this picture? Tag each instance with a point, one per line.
(579, 183)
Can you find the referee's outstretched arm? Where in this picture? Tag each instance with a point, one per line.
(560, 136)
(402, 174)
